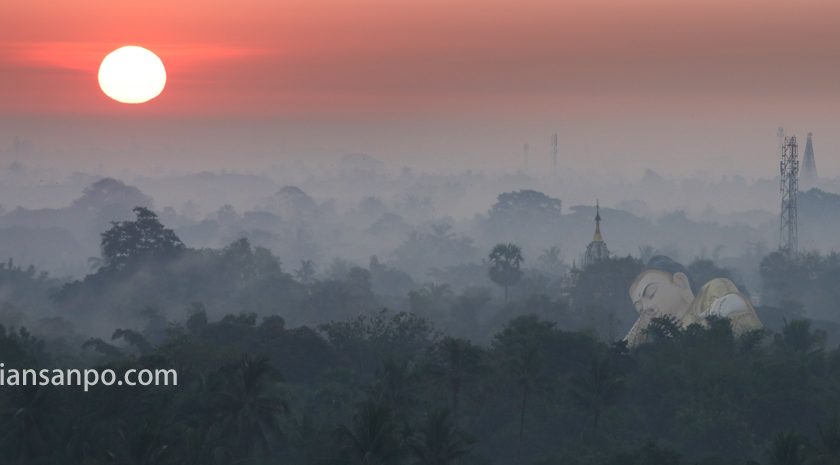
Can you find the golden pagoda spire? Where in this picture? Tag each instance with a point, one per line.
(597, 250)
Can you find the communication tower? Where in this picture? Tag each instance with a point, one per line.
(789, 186)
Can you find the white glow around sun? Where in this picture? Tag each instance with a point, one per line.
(132, 74)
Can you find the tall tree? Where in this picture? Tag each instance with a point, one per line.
(371, 439)
(597, 389)
(505, 265)
(441, 443)
(520, 348)
(453, 361)
(127, 241)
(250, 404)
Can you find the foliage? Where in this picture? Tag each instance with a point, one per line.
(130, 241)
(809, 279)
(311, 369)
(505, 265)
(524, 207)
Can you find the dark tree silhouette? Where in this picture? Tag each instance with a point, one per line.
(798, 336)
(453, 361)
(249, 405)
(505, 263)
(597, 389)
(371, 439)
(134, 338)
(128, 241)
(524, 206)
(520, 352)
(440, 442)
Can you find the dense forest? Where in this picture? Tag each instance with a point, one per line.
(278, 366)
(414, 232)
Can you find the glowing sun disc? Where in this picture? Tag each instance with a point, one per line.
(132, 74)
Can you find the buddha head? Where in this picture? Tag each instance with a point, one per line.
(664, 288)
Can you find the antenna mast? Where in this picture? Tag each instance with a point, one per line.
(789, 186)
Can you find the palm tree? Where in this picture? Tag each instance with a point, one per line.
(395, 386)
(203, 436)
(453, 361)
(526, 367)
(371, 439)
(442, 443)
(249, 404)
(519, 348)
(505, 263)
(597, 389)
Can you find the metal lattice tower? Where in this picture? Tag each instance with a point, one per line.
(554, 149)
(789, 186)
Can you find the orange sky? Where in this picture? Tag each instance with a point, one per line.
(547, 61)
(318, 55)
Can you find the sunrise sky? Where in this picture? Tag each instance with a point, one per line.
(674, 85)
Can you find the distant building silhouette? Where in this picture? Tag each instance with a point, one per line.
(809, 163)
(597, 250)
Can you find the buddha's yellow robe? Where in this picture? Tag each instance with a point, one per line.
(718, 297)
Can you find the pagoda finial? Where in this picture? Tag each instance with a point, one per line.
(597, 236)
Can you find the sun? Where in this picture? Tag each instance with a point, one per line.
(132, 74)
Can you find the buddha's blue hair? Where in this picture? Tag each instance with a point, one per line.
(665, 264)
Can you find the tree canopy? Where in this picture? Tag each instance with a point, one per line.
(127, 242)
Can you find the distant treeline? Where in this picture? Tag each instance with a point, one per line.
(388, 388)
(330, 368)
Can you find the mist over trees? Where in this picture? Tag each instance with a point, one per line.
(361, 316)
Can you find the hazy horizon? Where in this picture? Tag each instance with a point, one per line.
(443, 86)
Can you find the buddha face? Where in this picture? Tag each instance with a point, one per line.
(657, 293)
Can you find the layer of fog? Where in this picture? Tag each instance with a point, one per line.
(359, 207)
